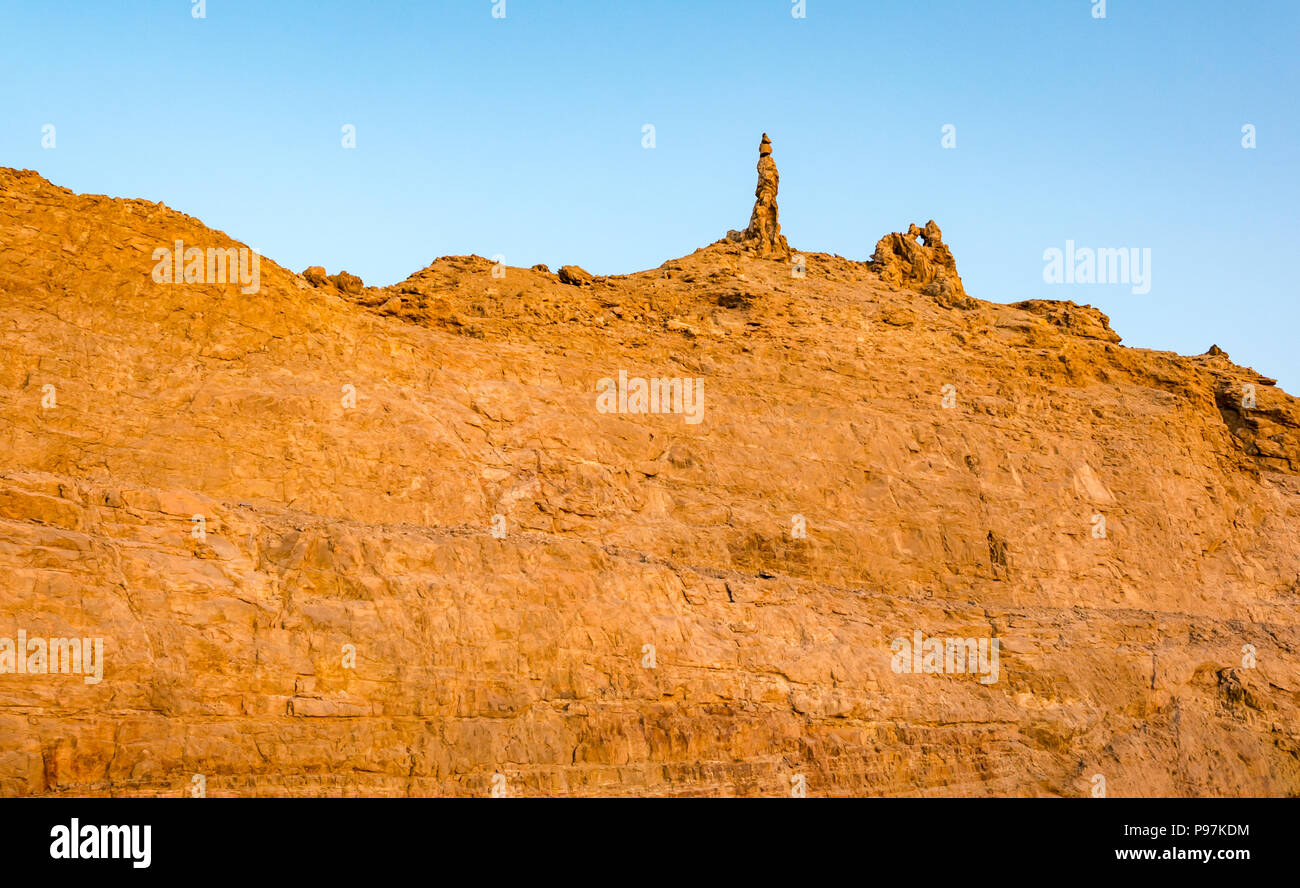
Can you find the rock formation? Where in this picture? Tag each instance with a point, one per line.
(1080, 320)
(424, 557)
(927, 266)
(763, 236)
(574, 275)
(348, 283)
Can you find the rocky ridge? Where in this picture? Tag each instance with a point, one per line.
(417, 476)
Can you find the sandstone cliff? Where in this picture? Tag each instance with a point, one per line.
(343, 540)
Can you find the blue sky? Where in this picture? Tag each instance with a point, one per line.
(523, 135)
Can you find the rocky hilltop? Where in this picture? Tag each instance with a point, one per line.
(689, 531)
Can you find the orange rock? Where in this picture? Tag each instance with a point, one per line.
(348, 283)
(574, 276)
(427, 558)
(763, 236)
(927, 266)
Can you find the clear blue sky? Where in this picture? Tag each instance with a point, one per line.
(522, 136)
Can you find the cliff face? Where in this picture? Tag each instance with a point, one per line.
(404, 540)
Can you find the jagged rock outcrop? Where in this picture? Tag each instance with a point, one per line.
(574, 275)
(348, 283)
(344, 281)
(427, 557)
(763, 236)
(1081, 320)
(920, 260)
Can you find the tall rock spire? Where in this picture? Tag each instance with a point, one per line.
(763, 235)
